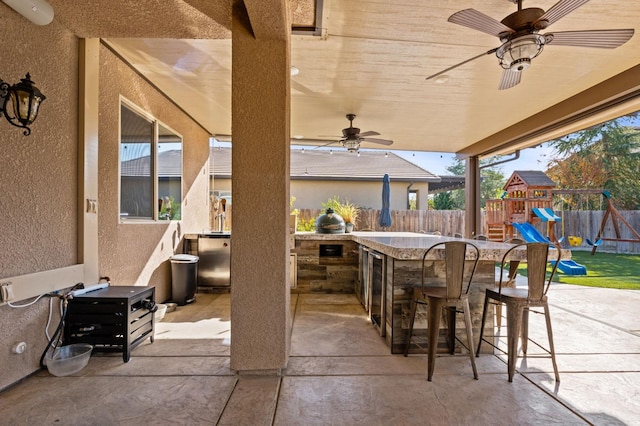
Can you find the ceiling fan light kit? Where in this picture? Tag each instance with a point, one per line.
(351, 144)
(521, 42)
(516, 54)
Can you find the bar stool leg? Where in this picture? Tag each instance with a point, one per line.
(484, 317)
(414, 305)
(514, 324)
(435, 310)
(524, 333)
(551, 348)
(467, 324)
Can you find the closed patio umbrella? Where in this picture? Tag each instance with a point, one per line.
(385, 214)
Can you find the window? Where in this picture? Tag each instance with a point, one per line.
(412, 200)
(150, 168)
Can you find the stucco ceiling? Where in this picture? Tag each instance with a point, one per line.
(371, 59)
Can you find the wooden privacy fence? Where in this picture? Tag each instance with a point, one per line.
(446, 222)
(584, 224)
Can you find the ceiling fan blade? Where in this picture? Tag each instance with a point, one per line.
(376, 140)
(605, 39)
(462, 63)
(369, 133)
(327, 144)
(560, 10)
(475, 20)
(509, 79)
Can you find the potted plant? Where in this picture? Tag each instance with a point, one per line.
(349, 213)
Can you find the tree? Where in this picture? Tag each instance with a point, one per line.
(605, 156)
(458, 195)
(491, 180)
(443, 201)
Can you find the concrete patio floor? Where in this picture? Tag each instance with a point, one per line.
(341, 373)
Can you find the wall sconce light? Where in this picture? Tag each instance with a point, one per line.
(23, 99)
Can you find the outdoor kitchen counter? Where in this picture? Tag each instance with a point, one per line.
(411, 245)
(402, 261)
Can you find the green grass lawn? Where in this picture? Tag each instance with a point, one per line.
(605, 270)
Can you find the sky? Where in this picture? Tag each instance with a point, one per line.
(437, 162)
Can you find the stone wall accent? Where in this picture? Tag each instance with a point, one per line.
(402, 277)
(332, 274)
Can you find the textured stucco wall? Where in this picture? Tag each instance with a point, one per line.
(38, 172)
(137, 254)
(38, 230)
(38, 182)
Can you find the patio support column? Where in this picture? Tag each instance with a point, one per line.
(473, 225)
(260, 293)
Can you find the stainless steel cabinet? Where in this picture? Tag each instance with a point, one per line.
(214, 266)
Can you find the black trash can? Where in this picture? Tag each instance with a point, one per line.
(184, 277)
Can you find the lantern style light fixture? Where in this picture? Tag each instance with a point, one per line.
(516, 54)
(20, 103)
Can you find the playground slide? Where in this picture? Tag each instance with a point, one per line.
(546, 214)
(571, 267)
(529, 233)
(532, 235)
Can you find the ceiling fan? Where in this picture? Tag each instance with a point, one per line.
(352, 138)
(521, 41)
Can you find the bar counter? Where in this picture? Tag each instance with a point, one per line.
(400, 255)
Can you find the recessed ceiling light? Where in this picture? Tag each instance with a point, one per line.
(442, 79)
(294, 71)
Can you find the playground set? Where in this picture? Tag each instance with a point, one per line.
(527, 199)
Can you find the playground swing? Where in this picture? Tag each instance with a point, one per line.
(593, 244)
(576, 240)
(573, 239)
(615, 215)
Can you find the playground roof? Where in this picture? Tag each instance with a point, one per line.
(530, 178)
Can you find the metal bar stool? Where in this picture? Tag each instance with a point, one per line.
(518, 301)
(510, 282)
(453, 297)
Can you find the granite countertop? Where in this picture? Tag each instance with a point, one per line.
(411, 245)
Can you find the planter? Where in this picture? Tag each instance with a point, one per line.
(348, 227)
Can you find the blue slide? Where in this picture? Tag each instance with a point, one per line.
(529, 233)
(532, 235)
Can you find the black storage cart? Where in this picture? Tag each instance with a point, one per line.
(112, 319)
